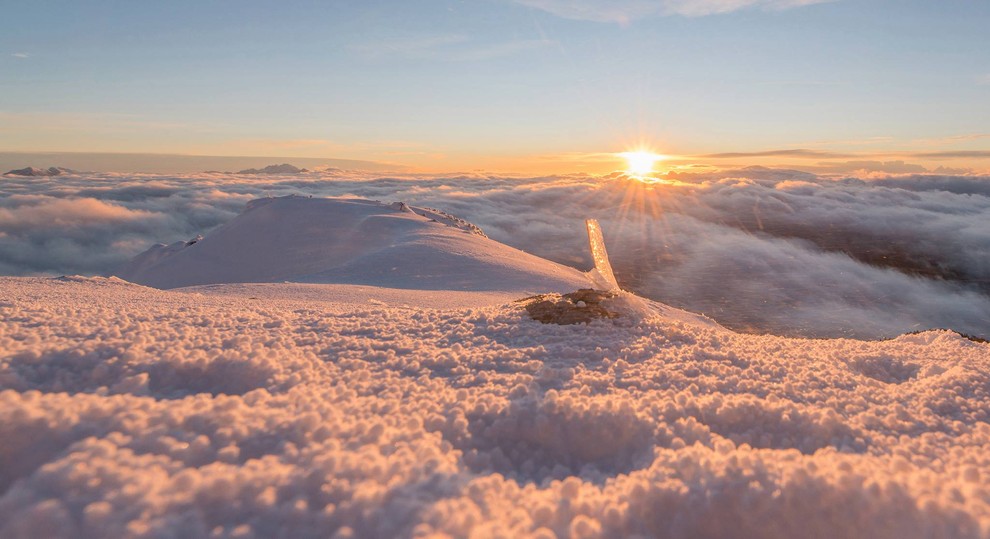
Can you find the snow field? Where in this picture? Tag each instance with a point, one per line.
(132, 412)
(348, 240)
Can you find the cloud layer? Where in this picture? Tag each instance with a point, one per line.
(758, 249)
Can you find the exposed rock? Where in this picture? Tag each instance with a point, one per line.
(578, 307)
(449, 220)
(40, 172)
(401, 206)
(439, 216)
(284, 168)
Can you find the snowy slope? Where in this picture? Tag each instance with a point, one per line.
(349, 241)
(127, 411)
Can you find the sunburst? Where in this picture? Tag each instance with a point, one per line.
(640, 162)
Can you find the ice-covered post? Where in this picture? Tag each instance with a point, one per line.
(602, 275)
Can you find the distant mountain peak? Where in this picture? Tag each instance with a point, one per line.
(40, 172)
(284, 168)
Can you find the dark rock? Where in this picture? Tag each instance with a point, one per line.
(578, 307)
(284, 168)
(40, 172)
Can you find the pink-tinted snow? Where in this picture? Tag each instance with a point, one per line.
(133, 412)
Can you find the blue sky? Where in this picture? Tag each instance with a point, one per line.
(499, 83)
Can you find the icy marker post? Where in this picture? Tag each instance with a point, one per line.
(602, 274)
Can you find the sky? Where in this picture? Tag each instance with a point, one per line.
(506, 85)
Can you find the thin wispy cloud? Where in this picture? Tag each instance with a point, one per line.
(578, 156)
(303, 146)
(848, 142)
(800, 153)
(958, 154)
(20, 55)
(625, 11)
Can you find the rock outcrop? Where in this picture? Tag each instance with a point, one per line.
(284, 168)
(579, 307)
(40, 172)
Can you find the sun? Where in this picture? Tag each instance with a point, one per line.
(640, 162)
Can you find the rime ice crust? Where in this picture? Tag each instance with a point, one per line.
(129, 411)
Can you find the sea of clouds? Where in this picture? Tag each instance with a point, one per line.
(759, 250)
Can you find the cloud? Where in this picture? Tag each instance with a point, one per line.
(625, 11)
(749, 247)
(891, 162)
(20, 55)
(867, 167)
(757, 248)
(41, 212)
(819, 154)
(69, 227)
(807, 291)
(309, 146)
(795, 154)
(957, 154)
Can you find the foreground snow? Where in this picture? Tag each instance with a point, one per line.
(263, 410)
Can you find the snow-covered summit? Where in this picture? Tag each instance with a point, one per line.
(349, 241)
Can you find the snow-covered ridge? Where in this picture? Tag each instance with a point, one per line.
(441, 217)
(349, 241)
